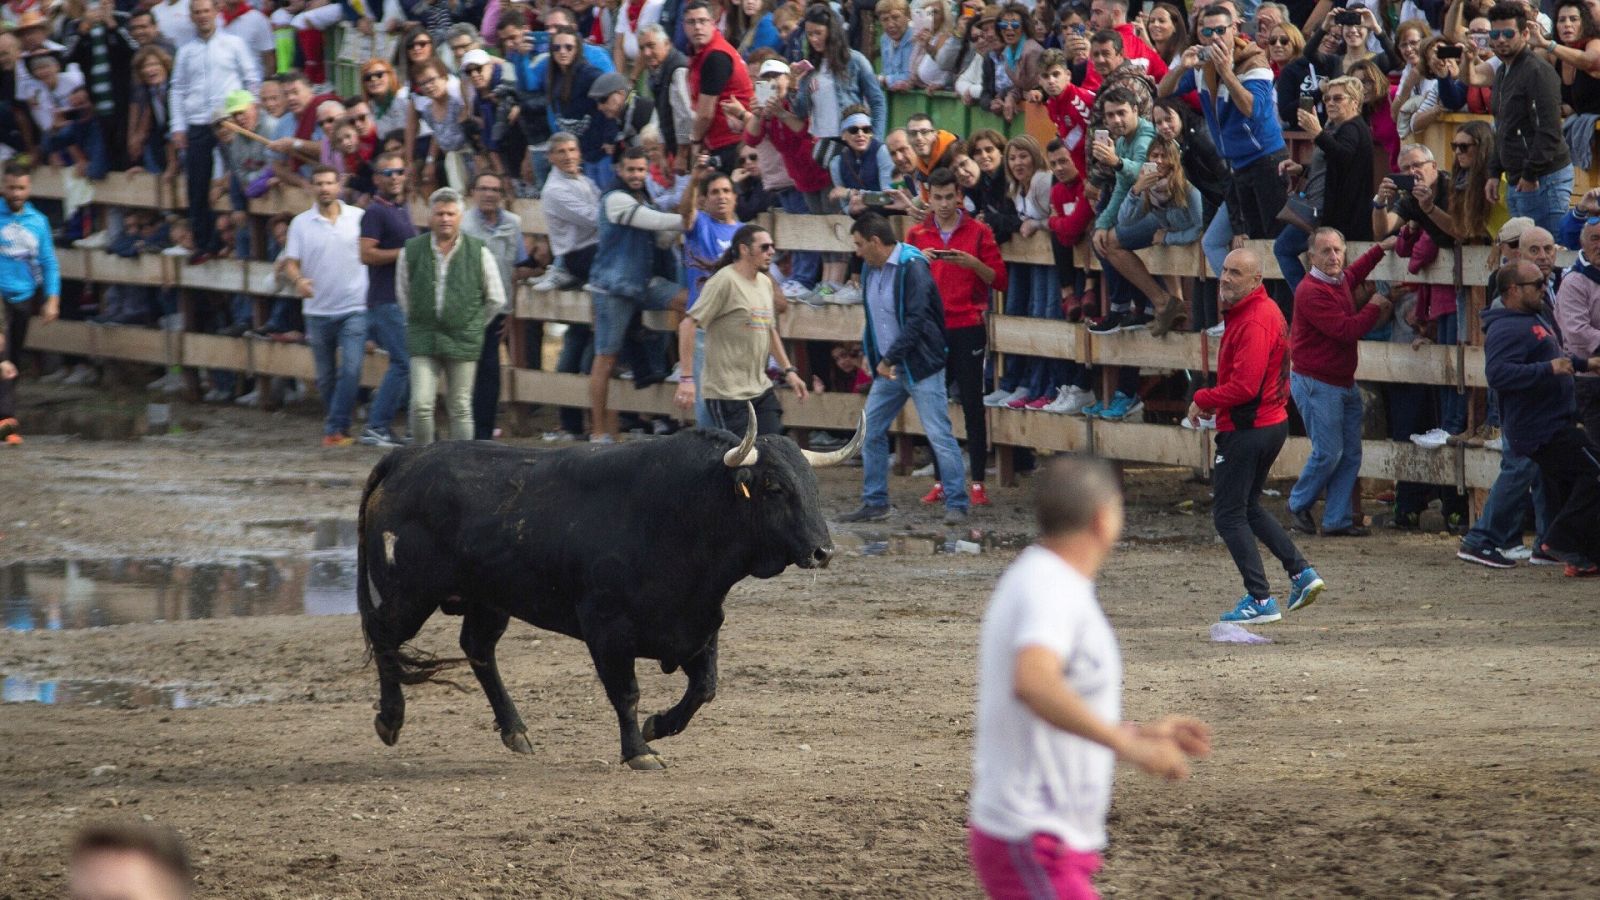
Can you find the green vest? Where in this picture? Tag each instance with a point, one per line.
(455, 332)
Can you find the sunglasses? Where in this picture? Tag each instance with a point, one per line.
(563, 48)
(765, 247)
(1009, 26)
(1278, 42)
(1213, 32)
(1502, 34)
(471, 70)
(375, 76)
(859, 129)
(1462, 147)
(750, 159)
(390, 173)
(422, 43)
(427, 81)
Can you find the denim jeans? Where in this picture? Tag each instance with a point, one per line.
(197, 163)
(1035, 292)
(1333, 422)
(602, 173)
(1452, 405)
(807, 267)
(1287, 248)
(1545, 206)
(88, 136)
(577, 355)
(1500, 525)
(387, 325)
(884, 402)
(1217, 240)
(338, 344)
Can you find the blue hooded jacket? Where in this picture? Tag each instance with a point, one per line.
(919, 350)
(27, 255)
(1535, 402)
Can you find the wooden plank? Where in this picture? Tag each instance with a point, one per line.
(574, 307)
(837, 412)
(224, 275)
(1030, 428)
(828, 234)
(136, 188)
(561, 389)
(1036, 337)
(829, 322)
(1429, 364)
(109, 341)
(1166, 444)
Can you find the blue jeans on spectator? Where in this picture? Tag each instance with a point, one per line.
(1500, 525)
(1035, 292)
(1545, 206)
(541, 167)
(1218, 240)
(1019, 369)
(1452, 405)
(197, 165)
(807, 266)
(387, 324)
(1333, 423)
(577, 355)
(87, 136)
(601, 173)
(1287, 248)
(339, 345)
(884, 402)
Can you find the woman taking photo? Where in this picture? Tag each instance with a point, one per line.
(1161, 209)
(1304, 77)
(1337, 182)
(839, 77)
(937, 50)
(1418, 102)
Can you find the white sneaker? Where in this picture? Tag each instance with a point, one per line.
(58, 375)
(554, 280)
(1519, 553)
(846, 295)
(1207, 423)
(1498, 445)
(82, 375)
(250, 399)
(794, 290)
(216, 395)
(1216, 330)
(1001, 398)
(1070, 401)
(923, 471)
(1432, 439)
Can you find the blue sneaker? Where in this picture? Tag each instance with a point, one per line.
(1251, 610)
(1304, 588)
(1122, 407)
(1093, 410)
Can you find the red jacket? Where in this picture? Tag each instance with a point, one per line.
(1070, 212)
(796, 148)
(739, 87)
(1069, 111)
(1252, 366)
(1327, 327)
(966, 297)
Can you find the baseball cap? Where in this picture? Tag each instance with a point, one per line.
(237, 102)
(773, 67)
(477, 56)
(606, 85)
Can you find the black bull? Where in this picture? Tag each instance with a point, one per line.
(631, 549)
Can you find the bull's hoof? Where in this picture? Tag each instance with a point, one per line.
(647, 762)
(651, 725)
(386, 734)
(517, 742)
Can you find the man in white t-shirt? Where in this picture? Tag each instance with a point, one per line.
(1050, 701)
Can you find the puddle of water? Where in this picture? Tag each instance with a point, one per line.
(64, 594)
(87, 692)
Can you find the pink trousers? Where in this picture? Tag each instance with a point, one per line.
(1040, 867)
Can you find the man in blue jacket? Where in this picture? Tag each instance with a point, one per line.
(1534, 376)
(27, 268)
(904, 343)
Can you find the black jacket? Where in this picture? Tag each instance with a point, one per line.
(1347, 201)
(1527, 120)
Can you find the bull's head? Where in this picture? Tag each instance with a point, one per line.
(780, 482)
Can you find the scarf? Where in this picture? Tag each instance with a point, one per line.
(229, 13)
(99, 75)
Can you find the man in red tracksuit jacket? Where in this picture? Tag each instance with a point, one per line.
(966, 265)
(1322, 379)
(1250, 402)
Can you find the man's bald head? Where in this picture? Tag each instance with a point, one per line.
(1241, 274)
(1538, 246)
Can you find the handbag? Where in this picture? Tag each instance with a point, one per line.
(1299, 213)
(825, 150)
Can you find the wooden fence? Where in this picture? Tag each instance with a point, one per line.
(1458, 367)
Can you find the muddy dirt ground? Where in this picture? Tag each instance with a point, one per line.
(1428, 729)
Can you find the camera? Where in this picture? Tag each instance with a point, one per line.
(1203, 54)
(1347, 18)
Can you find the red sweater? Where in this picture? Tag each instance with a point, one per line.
(1070, 213)
(796, 149)
(1327, 327)
(966, 297)
(1252, 366)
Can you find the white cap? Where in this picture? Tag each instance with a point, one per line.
(773, 67)
(477, 56)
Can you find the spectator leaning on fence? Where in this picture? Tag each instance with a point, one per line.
(905, 346)
(1526, 364)
(28, 270)
(1530, 148)
(1250, 402)
(449, 285)
(1323, 345)
(571, 205)
(207, 69)
(323, 266)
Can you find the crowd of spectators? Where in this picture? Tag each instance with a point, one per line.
(1169, 125)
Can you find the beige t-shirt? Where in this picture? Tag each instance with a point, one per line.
(736, 314)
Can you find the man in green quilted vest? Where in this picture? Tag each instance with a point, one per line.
(449, 285)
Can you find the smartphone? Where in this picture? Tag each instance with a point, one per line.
(1481, 41)
(801, 69)
(1203, 54)
(1347, 18)
(876, 198)
(941, 254)
(1149, 6)
(1308, 103)
(1449, 51)
(766, 92)
(1149, 168)
(1102, 136)
(1404, 183)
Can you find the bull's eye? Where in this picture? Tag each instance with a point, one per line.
(771, 486)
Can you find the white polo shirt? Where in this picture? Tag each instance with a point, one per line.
(330, 255)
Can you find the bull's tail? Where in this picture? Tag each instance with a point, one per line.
(394, 659)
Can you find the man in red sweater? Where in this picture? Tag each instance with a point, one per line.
(965, 262)
(1250, 402)
(1323, 347)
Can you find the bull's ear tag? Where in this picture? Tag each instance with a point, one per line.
(745, 490)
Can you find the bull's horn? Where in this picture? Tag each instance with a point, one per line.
(834, 458)
(746, 453)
